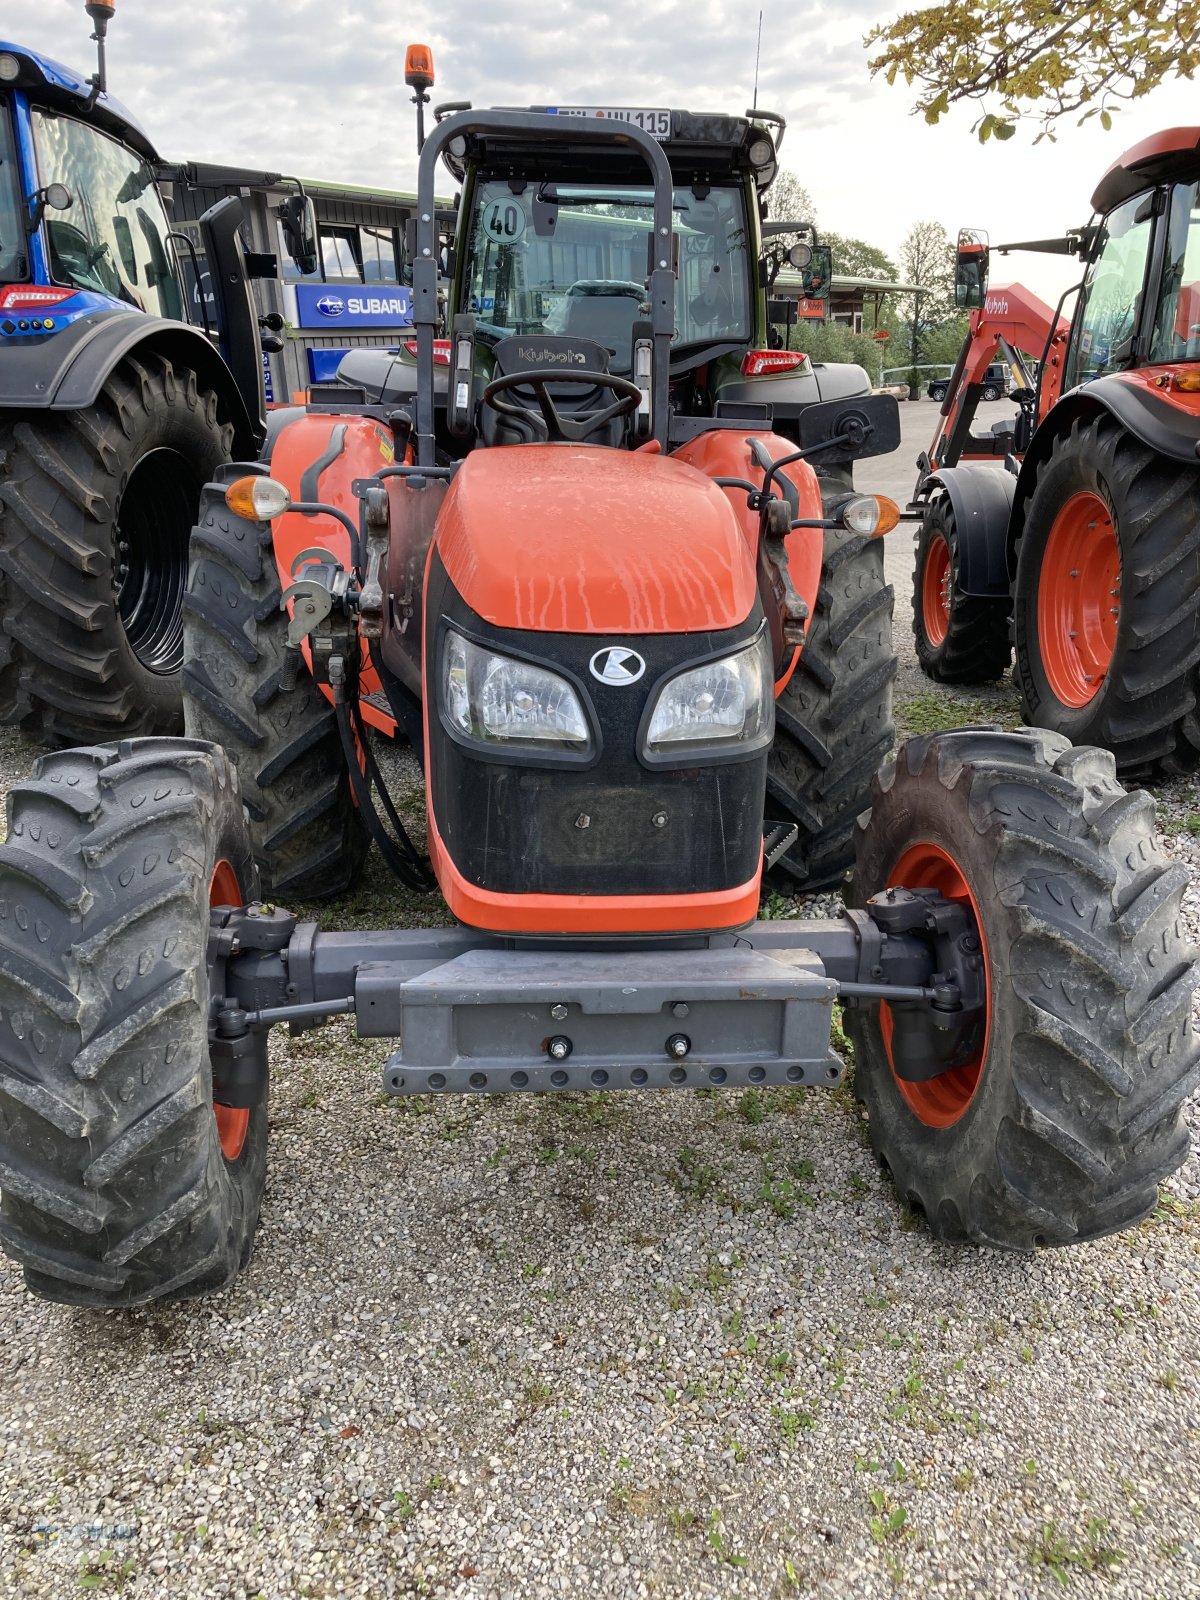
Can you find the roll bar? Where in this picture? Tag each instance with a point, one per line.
(540, 128)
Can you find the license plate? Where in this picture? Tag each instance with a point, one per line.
(656, 123)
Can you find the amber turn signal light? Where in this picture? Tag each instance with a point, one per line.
(257, 499)
(870, 514)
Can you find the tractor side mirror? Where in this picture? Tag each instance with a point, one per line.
(299, 218)
(971, 269)
(817, 272)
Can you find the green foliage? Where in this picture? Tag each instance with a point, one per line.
(942, 343)
(1053, 1550)
(1034, 59)
(834, 341)
(855, 258)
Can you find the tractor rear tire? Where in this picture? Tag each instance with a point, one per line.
(833, 721)
(96, 508)
(1061, 1126)
(246, 689)
(1144, 709)
(117, 1183)
(960, 638)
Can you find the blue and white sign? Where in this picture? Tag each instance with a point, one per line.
(332, 307)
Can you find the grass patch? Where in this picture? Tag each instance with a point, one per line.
(941, 710)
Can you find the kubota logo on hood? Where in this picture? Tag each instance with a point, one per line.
(616, 664)
(329, 305)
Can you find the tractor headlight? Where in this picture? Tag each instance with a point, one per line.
(494, 699)
(727, 704)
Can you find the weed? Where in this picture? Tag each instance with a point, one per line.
(697, 1178)
(104, 1571)
(718, 1542)
(793, 1423)
(963, 1480)
(889, 1521)
(752, 1107)
(1053, 1550)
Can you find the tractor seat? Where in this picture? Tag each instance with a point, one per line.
(550, 353)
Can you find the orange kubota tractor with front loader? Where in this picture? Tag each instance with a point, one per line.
(580, 588)
(1083, 550)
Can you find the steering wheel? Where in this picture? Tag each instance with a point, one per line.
(560, 429)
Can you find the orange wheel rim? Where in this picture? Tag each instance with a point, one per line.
(1078, 598)
(939, 1102)
(233, 1122)
(935, 590)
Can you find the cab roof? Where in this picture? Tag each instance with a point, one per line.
(1172, 155)
(47, 82)
(700, 146)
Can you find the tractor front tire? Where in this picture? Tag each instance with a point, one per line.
(118, 1182)
(245, 688)
(1061, 1125)
(833, 721)
(1106, 612)
(960, 638)
(96, 508)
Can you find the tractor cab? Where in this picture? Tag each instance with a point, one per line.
(556, 246)
(82, 224)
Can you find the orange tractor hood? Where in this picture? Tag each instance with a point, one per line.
(562, 538)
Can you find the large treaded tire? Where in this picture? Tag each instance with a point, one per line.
(113, 1186)
(974, 644)
(833, 721)
(1077, 1112)
(74, 488)
(245, 689)
(1145, 711)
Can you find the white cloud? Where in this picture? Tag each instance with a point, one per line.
(316, 86)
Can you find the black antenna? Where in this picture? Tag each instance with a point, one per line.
(757, 58)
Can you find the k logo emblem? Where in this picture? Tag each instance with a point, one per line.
(616, 665)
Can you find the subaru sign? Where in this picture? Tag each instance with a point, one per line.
(338, 307)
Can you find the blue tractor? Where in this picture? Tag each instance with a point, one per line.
(115, 406)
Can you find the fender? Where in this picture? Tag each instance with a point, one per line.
(67, 372)
(981, 498)
(1165, 420)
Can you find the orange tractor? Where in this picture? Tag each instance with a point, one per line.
(578, 577)
(1083, 552)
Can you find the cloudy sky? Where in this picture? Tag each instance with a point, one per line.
(316, 87)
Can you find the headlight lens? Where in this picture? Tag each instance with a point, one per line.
(496, 699)
(723, 701)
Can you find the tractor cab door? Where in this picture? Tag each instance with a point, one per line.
(1106, 325)
(111, 238)
(14, 258)
(1176, 331)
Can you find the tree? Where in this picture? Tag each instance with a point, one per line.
(927, 259)
(789, 201)
(1039, 59)
(855, 258)
(942, 344)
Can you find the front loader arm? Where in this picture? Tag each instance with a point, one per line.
(1011, 319)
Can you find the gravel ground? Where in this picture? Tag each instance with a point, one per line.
(676, 1345)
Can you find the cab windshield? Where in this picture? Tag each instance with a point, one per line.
(113, 238)
(13, 260)
(573, 259)
(1177, 322)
